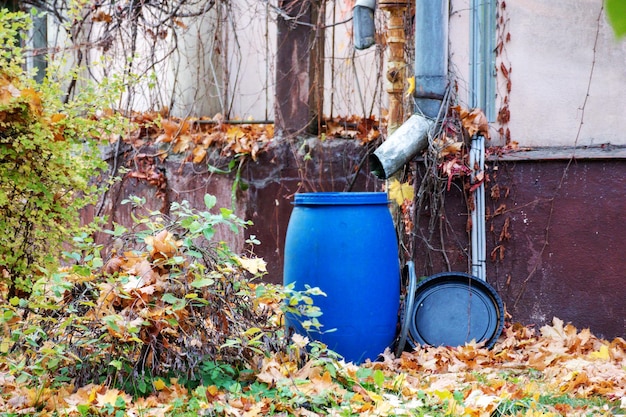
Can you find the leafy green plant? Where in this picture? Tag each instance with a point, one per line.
(557, 405)
(220, 375)
(616, 13)
(47, 162)
(236, 163)
(164, 300)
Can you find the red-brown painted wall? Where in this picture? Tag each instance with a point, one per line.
(566, 256)
(564, 249)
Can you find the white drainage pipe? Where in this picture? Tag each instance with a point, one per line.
(478, 233)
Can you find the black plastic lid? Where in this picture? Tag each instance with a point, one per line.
(453, 308)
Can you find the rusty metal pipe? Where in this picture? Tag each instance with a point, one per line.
(395, 77)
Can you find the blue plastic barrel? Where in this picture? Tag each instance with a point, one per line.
(345, 244)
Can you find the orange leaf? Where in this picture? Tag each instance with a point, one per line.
(198, 154)
(475, 121)
(163, 244)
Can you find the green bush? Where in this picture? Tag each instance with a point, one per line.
(47, 159)
(167, 300)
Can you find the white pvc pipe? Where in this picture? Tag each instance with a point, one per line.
(482, 236)
(474, 214)
(478, 232)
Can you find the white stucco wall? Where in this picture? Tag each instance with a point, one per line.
(251, 34)
(459, 51)
(550, 53)
(552, 60)
(352, 81)
(552, 57)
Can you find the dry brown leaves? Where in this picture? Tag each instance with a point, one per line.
(558, 361)
(561, 360)
(194, 137)
(467, 380)
(474, 121)
(364, 129)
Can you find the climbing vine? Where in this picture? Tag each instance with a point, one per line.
(503, 70)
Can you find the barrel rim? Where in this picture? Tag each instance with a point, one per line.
(341, 198)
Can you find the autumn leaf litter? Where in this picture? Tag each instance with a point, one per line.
(468, 380)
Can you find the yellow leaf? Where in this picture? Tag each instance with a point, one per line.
(603, 353)
(212, 390)
(92, 394)
(252, 331)
(253, 265)
(444, 394)
(234, 133)
(57, 117)
(400, 192)
(411, 88)
(109, 397)
(5, 345)
(159, 384)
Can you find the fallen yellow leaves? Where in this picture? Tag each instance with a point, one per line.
(400, 192)
(463, 381)
(253, 265)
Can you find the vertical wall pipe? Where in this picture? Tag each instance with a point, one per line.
(478, 233)
(431, 55)
(431, 80)
(482, 95)
(396, 64)
(473, 152)
(482, 244)
(483, 56)
(363, 26)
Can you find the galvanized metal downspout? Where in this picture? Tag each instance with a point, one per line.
(483, 57)
(431, 55)
(431, 79)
